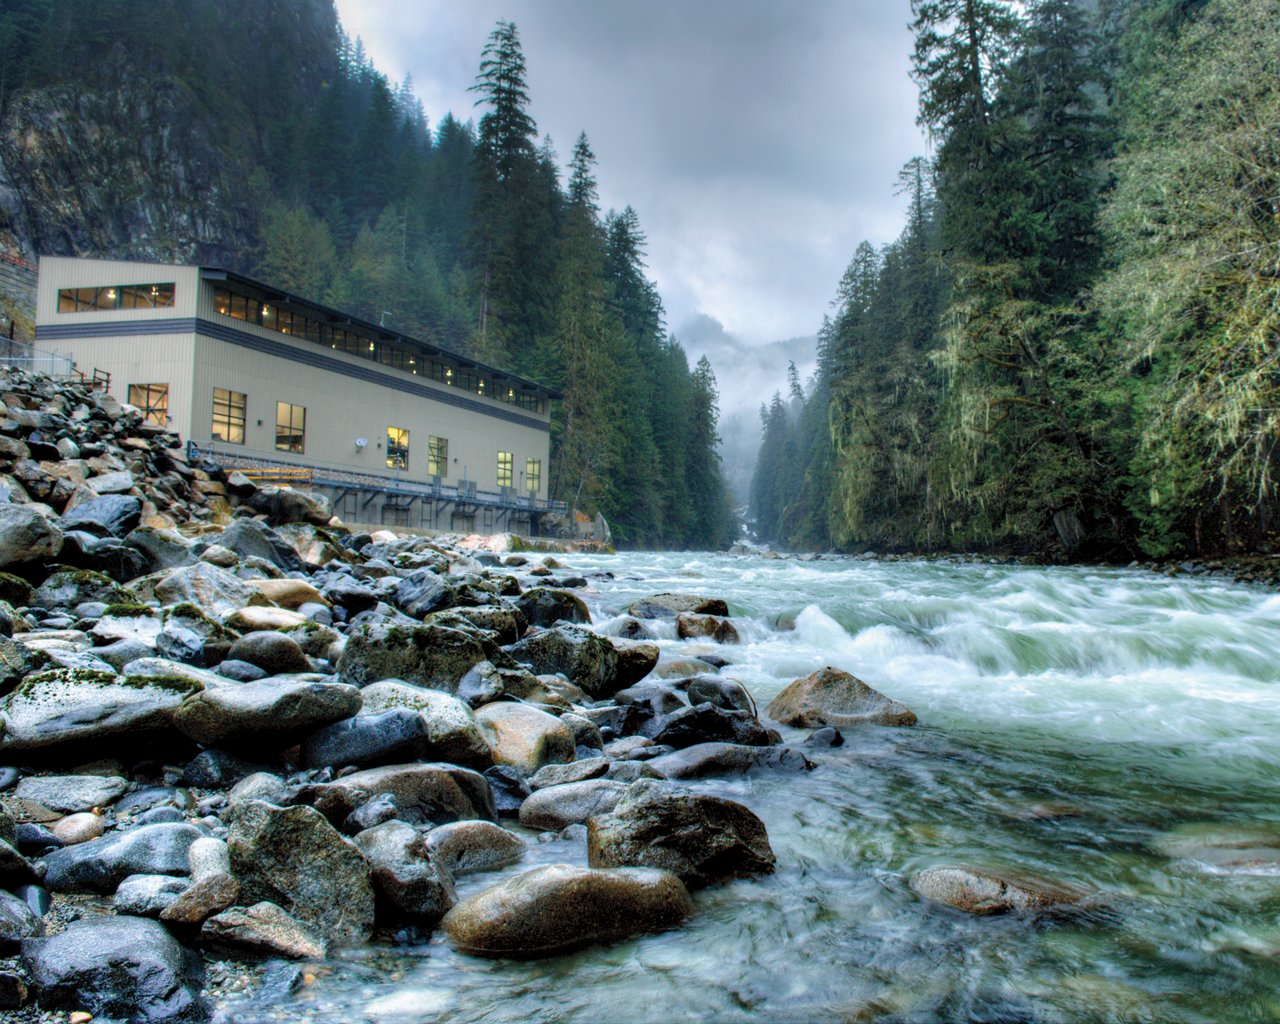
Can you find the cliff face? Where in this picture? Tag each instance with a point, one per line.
(132, 172)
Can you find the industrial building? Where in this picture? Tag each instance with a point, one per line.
(395, 430)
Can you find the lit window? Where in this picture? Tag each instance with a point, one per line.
(153, 400)
(291, 427)
(397, 448)
(505, 464)
(228, 416)
(532, 475)
(438, 456)
(116, 296)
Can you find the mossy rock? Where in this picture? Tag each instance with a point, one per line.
(127, 610)
(66, 588)
(14, 589)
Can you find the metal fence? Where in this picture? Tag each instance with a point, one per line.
(28, 357)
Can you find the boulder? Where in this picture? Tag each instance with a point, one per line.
(543, 606)
(292, 857)
(586, 659)
(102, 864)
(635, 661)
(557, 807)
(128, 968)
(706, 723)
(263, 929)
(284, 505)
(707, 760)
(506, 624)
(424, 794)
(73, 709)
(575, 771)
(250, 538)
(559, 908)
(463, 847)
(214, 591)
(702, 839)
(668, 606)
(723, 693)
(72, 793)
(26, 536)
(409, 882)
(691, 626)
(390, 737)
(274, 653)
(148, 895)
(979, 891)
(108, 515)
(422, 592)
(202, 900)
(430, 656)
(267, 714)
(71, 587)
(452, 732)
(832, 697)
(288, 593)
(522, 736)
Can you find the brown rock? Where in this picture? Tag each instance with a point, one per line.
(523, 736)
(266, 929)
(979, 891)
(691, 626)
(832, 697)
(202, 900)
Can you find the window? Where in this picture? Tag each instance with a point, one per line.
(397, 448)
(505, 462)
(228, 415)
(115, 296)
(291, 427)
(438, 456)
(532, 475)
(153, 400)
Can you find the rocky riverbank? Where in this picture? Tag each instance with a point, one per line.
(236, 733)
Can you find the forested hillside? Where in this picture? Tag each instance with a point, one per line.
(1072, 347)
(260, 137)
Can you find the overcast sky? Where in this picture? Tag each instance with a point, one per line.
(758, 140)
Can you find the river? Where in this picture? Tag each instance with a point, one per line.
(1115, 729)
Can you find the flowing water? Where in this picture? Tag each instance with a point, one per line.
(1113, 729)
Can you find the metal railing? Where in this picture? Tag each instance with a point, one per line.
(27, 357)
(262, 467)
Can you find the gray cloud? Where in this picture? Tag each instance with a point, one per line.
(758, 140)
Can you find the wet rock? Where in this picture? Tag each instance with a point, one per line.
(452, 732)
(160, 549)
(215, 591)
(510, 788)
(557, 807)
(707, 760)
(124, 967)
(702, 839)
(17, 922)
(635, 661)
(690, 626)
(258, 786)
(289, 593)
(668, 606)
(15, 869)
(523, 736)
(72, 793)
(422, 592)
(390, 737)
(102, 864)
(409, 883)
(464, 847)
(559, 908)
(77, 586)
(706, 723)
(108, 515)
(586, 659)
(202, 900)
(274, 653)
(424, 794)
(284, 505)
(827, 736)
(576, 771)
(263, 929)
(543, 606)
(723, 693)
(292, 857)
(267, 714)
(1223, 848)
(979, 891)
(250, 538)
(217, 769)
(507, 624)
(241, 671)
(832, 697)
(26, 536)
(77, 828)
(73, 708)
(430, 656)
(629, 628)
(148, 895)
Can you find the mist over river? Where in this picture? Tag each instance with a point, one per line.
(1113, 729)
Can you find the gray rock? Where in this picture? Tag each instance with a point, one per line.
(15, 869)
(26, 536)
(72, 793)
(216, 769)
(422, 592)
(161, 549)
(208, 858)
(241, 671)
(586, 659)
(430, 656)
(284, 505)
(120, 653)
(274, 653)
(702, 839)
(258, 786)
(558, 807)
(249, 538)
(124, 967)
(263, 929)
(832, 697)
(102, 864)
(391, 737)
(705, 760)
(559, 908)
(71, 587)
(464, 847)
(690, 626)
(119, 482)
(706, 723)
(148, 895)
(215, 591)
(575, 771)
(108, 515)
(543, 606)
(728, 694)
(265, 715)
(17, 922)
(668, 606)
(452, 732)
(424, 794)
(980, 891)
(292, 857)
(635, 661)
(410, 884)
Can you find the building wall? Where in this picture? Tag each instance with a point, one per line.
(57, 272)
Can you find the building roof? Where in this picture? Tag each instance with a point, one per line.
(337, 316)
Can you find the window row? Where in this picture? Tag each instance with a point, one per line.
(276, 318)
(116, 296)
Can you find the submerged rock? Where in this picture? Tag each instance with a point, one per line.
(832, 697)
(979, 891)
(559, 908)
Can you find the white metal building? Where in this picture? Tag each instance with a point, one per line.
(397, 430)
